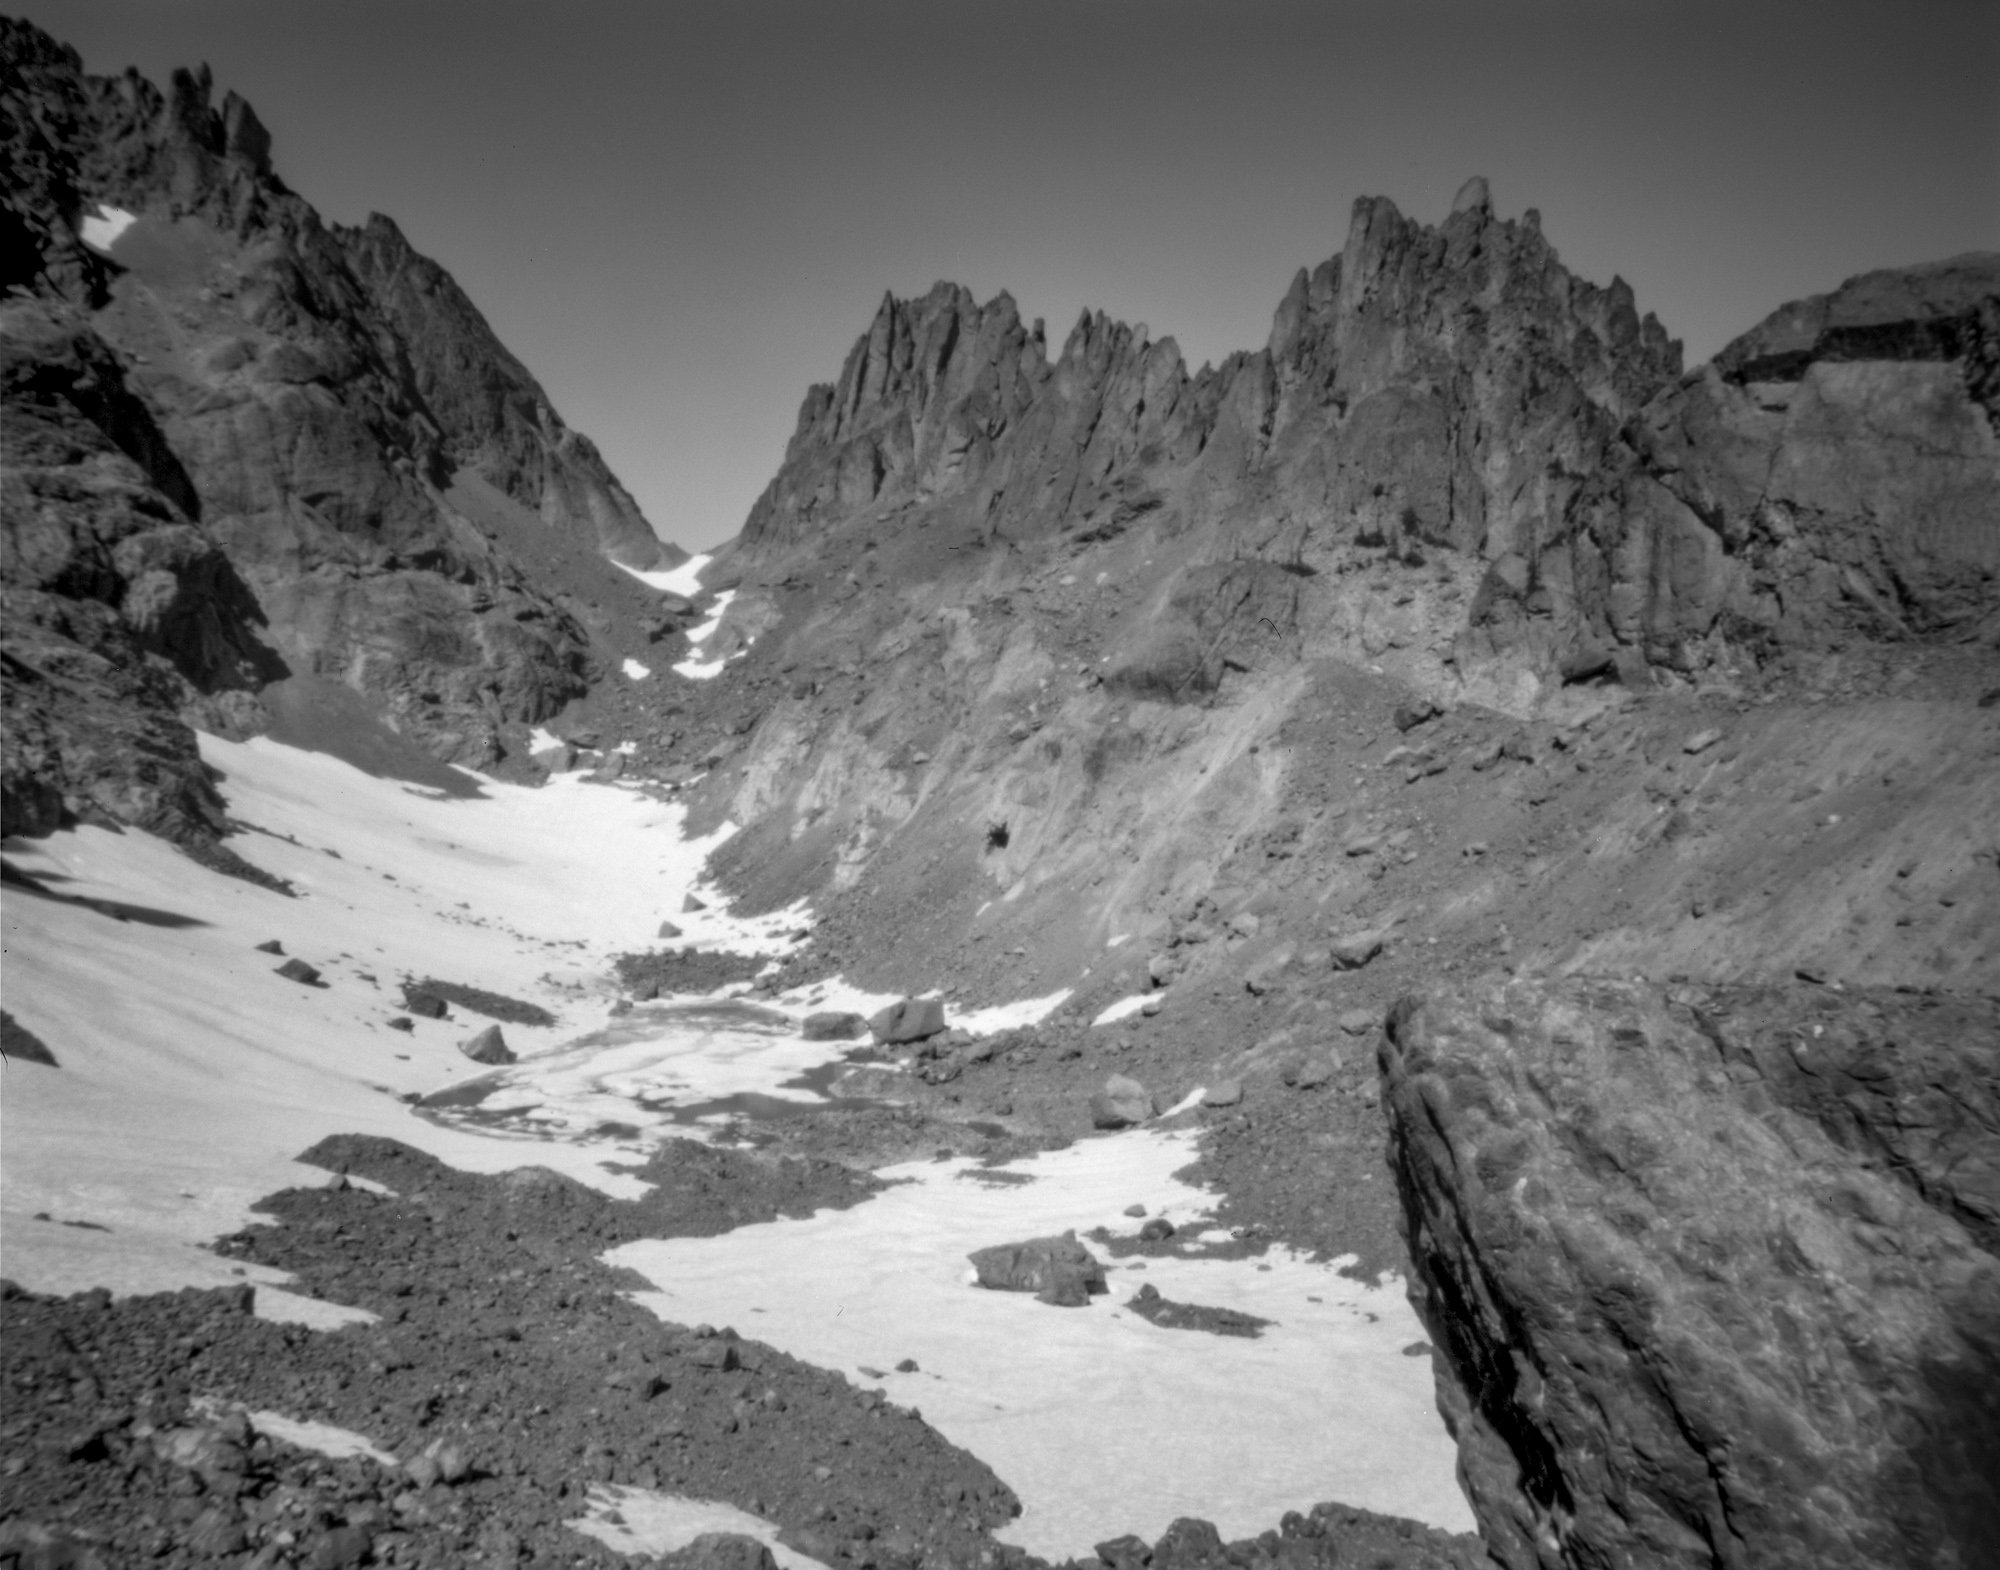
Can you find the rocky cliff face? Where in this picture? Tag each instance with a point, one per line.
(309, 407)
(1713, 1270)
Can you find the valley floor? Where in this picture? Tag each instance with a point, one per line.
(509, 1258)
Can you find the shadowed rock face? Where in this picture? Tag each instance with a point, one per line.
(250, 436)
(1711, 1269)
(119, 610)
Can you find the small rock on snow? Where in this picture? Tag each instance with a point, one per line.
(489, 1046)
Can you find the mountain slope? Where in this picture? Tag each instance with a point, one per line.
(322, 401)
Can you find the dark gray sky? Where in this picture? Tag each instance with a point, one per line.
(682, 214)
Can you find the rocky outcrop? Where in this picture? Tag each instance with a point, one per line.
(1832, 475)
(120, 611)
(1451, 388)
(293, 445)
(1711, 1270)
(1427, 387)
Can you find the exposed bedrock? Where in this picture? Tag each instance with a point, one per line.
(1711, 1270)
(119, 611)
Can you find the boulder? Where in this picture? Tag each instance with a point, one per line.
(1710, 1271)
(668, 930)
(1057, 1270)
(425, 1005)
(1360, 1022)
(270, 946)
(404, 1023)
(298, 970)
(1352, 950)
(912, 1019)
(1313, 1072)
(720, 1551)
(1223, 1093)
(1263, 976)
(1121, 1103)
(1190, 1543)
(691, 904)
(489, 1046)
(832, 1026)
(1129, 1552)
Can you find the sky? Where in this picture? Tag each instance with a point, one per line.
(681, 215)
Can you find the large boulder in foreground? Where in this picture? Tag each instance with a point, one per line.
(1710, 1271)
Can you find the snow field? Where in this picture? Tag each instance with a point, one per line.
(192, 1075)
(1100, 1421)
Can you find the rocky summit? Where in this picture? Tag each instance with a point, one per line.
(1522, 807)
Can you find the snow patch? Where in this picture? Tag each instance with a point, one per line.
(1008, 1016)
(540, 740)
(635, 670)
(1124, 1008)
(684, 580)
(101, 230)
(704, 670)
(282, 1307)
(706, 630)
(321, 1438)
(1113, 1424)
(655, 1523)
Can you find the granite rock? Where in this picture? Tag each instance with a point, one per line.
(1709, 1270)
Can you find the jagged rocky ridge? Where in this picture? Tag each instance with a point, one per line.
(1455, 388)
(1453, 461)
(250, 445)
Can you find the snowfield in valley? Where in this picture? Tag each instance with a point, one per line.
(191, 1075)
